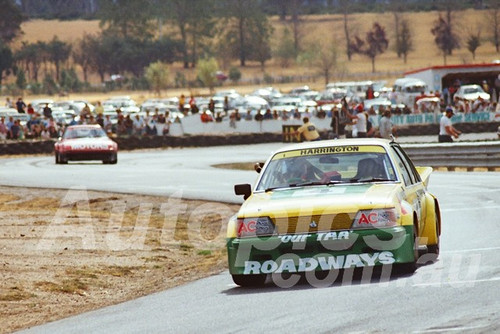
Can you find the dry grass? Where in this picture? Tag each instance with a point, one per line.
(315, 29)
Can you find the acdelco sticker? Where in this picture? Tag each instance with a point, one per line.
(320, 262)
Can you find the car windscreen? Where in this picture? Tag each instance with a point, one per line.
(328, 165)
(84, 133)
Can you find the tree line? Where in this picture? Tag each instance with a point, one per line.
(133, 37)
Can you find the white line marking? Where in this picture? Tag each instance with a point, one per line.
(471, 208)
(441, 330)
(460, 282)
(472, 250)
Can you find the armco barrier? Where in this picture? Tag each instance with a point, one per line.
(449, 155)
(453, 155)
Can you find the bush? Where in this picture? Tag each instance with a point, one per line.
(234, 74)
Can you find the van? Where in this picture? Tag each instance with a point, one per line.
(407, 89)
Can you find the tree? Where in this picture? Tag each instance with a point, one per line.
(404, 44)
(473, 42)
(376, 43)
(321, 56)
(11, 18)
(29, 57)
(285, 51)
(126, 18)
(80, 54)
(444, 37)
(6, 60)
(58, 52)
(493, 18)
(242, 17)
(21, 79)
(206, 72)
(345, 6)
(157, 74)
(295, 6)
(194, 19)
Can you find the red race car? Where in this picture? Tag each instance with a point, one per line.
(85, 142)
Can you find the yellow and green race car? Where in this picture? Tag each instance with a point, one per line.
(328, 205)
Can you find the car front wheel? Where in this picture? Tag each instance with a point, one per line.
(249, 280)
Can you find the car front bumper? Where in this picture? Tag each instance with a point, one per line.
(320, 251)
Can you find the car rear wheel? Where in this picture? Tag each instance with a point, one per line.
(249, 280)
(433, 250)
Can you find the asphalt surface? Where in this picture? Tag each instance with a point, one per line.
(458, 293)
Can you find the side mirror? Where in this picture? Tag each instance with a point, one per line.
(243, 189)
(258, 166)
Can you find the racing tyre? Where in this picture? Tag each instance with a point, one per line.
(61, 159)
(433, 250)
(57, 158)
(249, 280)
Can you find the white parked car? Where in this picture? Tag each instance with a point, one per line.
(472, 92)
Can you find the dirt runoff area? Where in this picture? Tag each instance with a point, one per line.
(64, 252)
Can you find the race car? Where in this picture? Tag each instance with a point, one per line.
(85, 142)
(333, 205)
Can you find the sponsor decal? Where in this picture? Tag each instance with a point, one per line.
(321, 236)
(330, 150)
(89, 146)
(327, 262)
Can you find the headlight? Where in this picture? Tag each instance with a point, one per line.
(255, 227)
(376, 218)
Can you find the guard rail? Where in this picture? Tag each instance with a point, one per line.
(453, 155)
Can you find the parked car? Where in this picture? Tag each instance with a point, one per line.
(472, 92)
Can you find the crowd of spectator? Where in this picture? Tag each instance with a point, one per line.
(43, 125)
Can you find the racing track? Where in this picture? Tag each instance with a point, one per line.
(459, 293)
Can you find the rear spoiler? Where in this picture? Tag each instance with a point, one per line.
(425, 173)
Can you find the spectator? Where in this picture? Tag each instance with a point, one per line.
(108, 124)
(47, 111)
(8, 103)
(138, 125)
(161, 125)
(308, 130)
(15, 129)
(20, 106)
(218, 117)
(100, 120)
(3, 129)
(182, 101)
(360, 120)
(99, 109)
(446, 129)
(44, 133)
(129, 125)
(248, 116)
(370, 94)
(267, 115)
(206, 117)
(30, 109)
(211, 106)
(85, 112)
(386, 128)
(258, 116)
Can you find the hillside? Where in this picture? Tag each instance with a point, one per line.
(329, 29)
